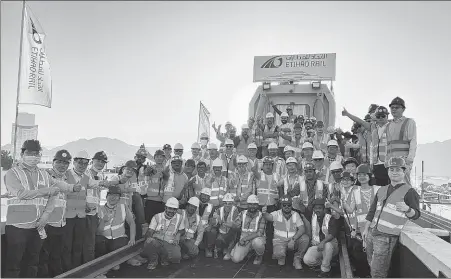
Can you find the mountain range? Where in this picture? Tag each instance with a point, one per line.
(434, 155)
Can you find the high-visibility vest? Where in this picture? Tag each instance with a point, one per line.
(241, 149)
(228, 163)
(76, 202)
(362, 208)
(244, 182)
(285, 229)
(346, 196)
(288, 187)
(199, 184)
(319, 185)
(57, 215)
(252, 226)
(283, 142)
(267, 191)
(218, 189)
(328, 161)
(155, 188)
(365, 144)
(92, 195)
(387, 219)
(258, 135)
(320, 142)
(167, 229)
(267, 141)
(252, 163)
(315, 228)
(279, 167)
(20, 211)
(170, 185)
(397, 143)
(141, 180)
(190, 227)
(206, 213)
(379, 144)
(115, 227)
(126, 198)
(222, 228)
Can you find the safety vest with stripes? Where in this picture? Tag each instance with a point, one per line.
(155, 189)
(20, 211)
(287, 186)
(92, 196)
(222, 228)
(167, 229)
(76, 202)
(365, 144)
(206, 213)
(267, 191)
(142, 181)
(387, 219)
(57, 215)
(346, 197)
(397, 143)
(243, 181)
(199, 184)
(319, 185)
(285, 229)
(279, 167)
(190, 227)
(252, 163)
(379, 145)
(267, 141)
(252, 225)
(115, 226)
(126, 198)
(229, 163)
(315, 228)
(362, 208)
(218, 189)
(241, 149)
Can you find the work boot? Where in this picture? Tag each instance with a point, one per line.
(297, 263)
(152, 266)
(208, 253)
(258, 259)
(281, 261)
(227, 256)
(324, 274)
(140, 259)
(185, 257)
(216, 252)
(134, 262)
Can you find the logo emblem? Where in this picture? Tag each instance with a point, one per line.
(64, 155)
(274, 62)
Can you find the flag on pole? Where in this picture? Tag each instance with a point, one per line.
(35, 78)
(204, 122)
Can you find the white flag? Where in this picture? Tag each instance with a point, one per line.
(35, 79)
(204, 122)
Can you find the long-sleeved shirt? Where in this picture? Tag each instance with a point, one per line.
(249, 217)
(412, 199)
(333, 228)
(411, 133)
(189, 221)
(64, 190)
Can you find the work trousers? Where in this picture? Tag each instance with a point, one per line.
(22, 254)
(166, 252)
(269, 230)
(188, 247)
(89, 242)
(381, 175)
(104, 245)
(313, 257)
(301, 245)
(259, 152)
(74, 235)
(240, 252)
(138, 212)
(225, 241)
(50, 262)
(152, 208)
(210, 235)
(379, 250)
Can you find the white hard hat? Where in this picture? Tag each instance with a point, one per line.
(288, 148)
(241, 159)
(195, 146)
(252, 145)
(336, 165)
(252, 199)
(82, 155)
(284, 114)
(217, 163)
(178, 146)
(228, 123)
(228, 142)
(228, 197)
(307, 145)
(313, 118)
(194, 201)
(204, 135)
(272, 145)
(269, 115)
(291, 160)
(212, 145)
(318, 154)
(244, 126)
(332, 143)
(330, 130)
(206, 191)
(172, 202)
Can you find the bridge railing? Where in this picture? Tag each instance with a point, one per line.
(436, 197)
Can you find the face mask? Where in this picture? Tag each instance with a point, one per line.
(31, 161)
(203, 142)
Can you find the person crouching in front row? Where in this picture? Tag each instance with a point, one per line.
(163, 236)
(111, 230)
(194, 229)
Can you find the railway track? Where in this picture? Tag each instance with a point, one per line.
(434, 221)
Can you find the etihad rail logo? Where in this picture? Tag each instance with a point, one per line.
(273, 62)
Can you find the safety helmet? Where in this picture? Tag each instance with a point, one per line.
(176, 158)
(269, 115)
(319, 124)
(228, 142)
(291, 160)
(172, 203)
(194, 201)
(398, 101)
(178, 146)
(195, 146)
(252, 199)
(244, 126)
(159, 152)
(82, 155)
(206, 191)
(318, 154)
(204, 135)
(284, 114)
(114, 190)
(336, 165)
(212, 145)
(332, 143)
(396, 162)
(252, 146)
(131, 164)
(268, 159)
(100, 156)
(330, 130)
(167, 146)
(287, 148)
(241, 160)
(350, 160)
(308, 121)
(309, 166)
(381, 111)
(364, 168)
(272, 145)
(307, 145)
(286, 199)
(62, 155)
(217, 163)
(228, 123)
(228, 197)
(313, 119)
(141, 151)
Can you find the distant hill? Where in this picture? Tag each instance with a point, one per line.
(435, 156)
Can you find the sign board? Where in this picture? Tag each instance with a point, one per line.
(319, 66)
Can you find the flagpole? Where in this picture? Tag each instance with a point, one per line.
(198, 123)
(18, 80)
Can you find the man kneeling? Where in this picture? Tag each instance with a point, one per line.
(194, 230)
(163, 236)
(289, 233)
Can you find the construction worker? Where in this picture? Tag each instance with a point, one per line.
(390, 210)
(401, 135)
(279, 163)
(325, 230)
(311, 188)
(286, 132)
(223, 219)
(306, 154)
(243, 182)
(241, 142)
(291, 183)
(228, 158)
(379, 146)
(139, 197)
(163, 236)
(178, 151)
(111, 230)
(289, 233)
(335, 170)
(206, 210)
(167, 153)
(177, 179)
(252, 226)
(321, 169)
(155, 190)
(190, 168)
(195, 151)
(194, 230)
(252, 157)
(321, 138)
(298, 140)
(350, 165)
(218, 183)
(33, 195)
(332, 153)
(346, 188)
(204, 139)
(270, 133)
(188, 191)
(289, 112)
(259, 128)
(288, 152)
(212, 155)
(199, 181)
(50, 264)
(223, 136)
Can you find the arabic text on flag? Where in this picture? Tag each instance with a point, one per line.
(204, 121)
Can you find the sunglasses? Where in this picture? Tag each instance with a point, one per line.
(380, 116)
(396, 107)
(286, 205)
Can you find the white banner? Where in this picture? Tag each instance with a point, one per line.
(294, 67)
(35, 79)
(204, 122)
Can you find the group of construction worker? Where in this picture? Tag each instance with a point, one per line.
(274, 188)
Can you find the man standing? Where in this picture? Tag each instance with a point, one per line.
(155, 189)
(241, 142)
(270, 133)
(286, 132)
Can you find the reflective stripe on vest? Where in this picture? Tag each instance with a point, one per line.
(267, 193)
(379, 144)
(304, 193)
(387, 219)
(222, 228)
(207, 213)
(190, 229)
(286, 186)
(315, 228)
(76, 202)
(364, 143)
(241, 149)
(115, 227)
(166, 230)
(284, 229)
(21, 212)
(218, 190)
(57, 215)
(267, 141)
(253, 224)
(362, 210)
(397, 145)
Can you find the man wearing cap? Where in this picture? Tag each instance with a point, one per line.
(199, 181)
(390, 210)
(325, 231)
(223, 136)
(252, 226)
(167, 153)
(139, 197)
(270, 133)
(252, 157)
(297, 140)
(163, 236)
(111, 230)
(243, 182)
(204, 139)
(155, 176)
(332, 153)
(223, 220)
(194, 230)
(347, 187)
(33, 196)
(188, 191)
(290, 184)
(177, 179)
(289, 233)
(286, 132)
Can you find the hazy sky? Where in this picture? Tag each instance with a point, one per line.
(136, 71)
